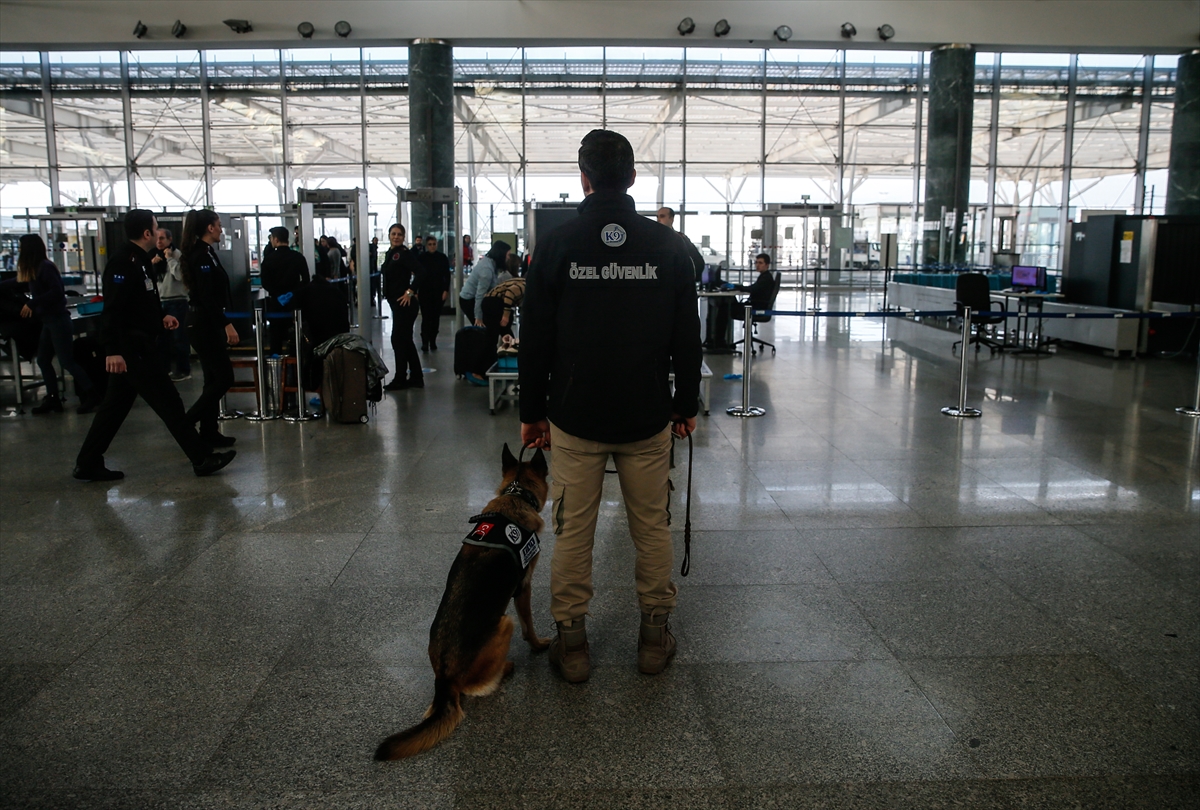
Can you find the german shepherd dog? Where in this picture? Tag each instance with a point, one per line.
(469, 638)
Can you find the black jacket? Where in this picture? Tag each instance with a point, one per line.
(326, 311)
(610, 308)
(693, 254)
(401, 271)
(132, 317)
(435, 276)
(760, 291)
(283, 271)
(209, 293)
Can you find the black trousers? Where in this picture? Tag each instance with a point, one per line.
(146, 378)
(467, 307)
(493, 311)
(408, 361)
(213, 350)
(431, 314)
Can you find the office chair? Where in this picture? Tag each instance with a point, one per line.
(973, 290)
(761, 318)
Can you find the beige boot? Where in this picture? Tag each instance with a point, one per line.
(656, 645)
(569, 652)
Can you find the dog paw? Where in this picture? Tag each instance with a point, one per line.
(539, 644)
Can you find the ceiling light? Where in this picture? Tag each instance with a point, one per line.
(886, 32)
(140, 29)
(239, 26)
(848, 30)
(306, 30)
(342, 29)
(722, 28)
(178, 30)
(783, 33)
(686, 26)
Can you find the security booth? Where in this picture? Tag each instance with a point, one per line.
(317, 205)
(435, 212)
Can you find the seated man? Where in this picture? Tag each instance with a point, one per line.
(761, 290)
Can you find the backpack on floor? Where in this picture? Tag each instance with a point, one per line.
(344, 387)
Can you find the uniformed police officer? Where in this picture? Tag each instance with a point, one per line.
(610, 308)
(401, 284)
(130, 327)
(209, 327)
(284, 274)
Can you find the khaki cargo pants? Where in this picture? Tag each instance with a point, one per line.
(577, 469)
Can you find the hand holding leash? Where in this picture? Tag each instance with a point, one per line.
(537, 434)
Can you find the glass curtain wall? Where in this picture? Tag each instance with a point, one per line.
(718, 134)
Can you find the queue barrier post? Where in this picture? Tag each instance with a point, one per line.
(962, 411)
(1194, 410)
(260, 362)
(302, 414)
(746, 410)
(225, 414)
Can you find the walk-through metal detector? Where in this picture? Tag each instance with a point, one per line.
(329, 203)
(443, 213)
(78, 239)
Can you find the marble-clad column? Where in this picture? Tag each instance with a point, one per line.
(1183, 170)
(430, 128)
(948, 145)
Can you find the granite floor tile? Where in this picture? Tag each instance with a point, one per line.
(1031, 716)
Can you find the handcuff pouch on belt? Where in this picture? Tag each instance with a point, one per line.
(493, 530)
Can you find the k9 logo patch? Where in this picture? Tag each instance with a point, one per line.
(513, 534)
(613, 235)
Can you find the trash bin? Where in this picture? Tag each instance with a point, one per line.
(273, 388)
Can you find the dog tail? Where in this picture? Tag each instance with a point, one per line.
(444, 716)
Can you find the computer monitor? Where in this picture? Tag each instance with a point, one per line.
(711, 276)
(1027, 277)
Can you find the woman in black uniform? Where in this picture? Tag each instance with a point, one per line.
(401, 285)
(209, 329)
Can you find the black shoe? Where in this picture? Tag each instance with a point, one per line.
(424, 347)
(49, 405)
(213, 462)
(419, 382)
(219, 440)
(433, 345)
(398, 384)
(100, 473)
(89, 401)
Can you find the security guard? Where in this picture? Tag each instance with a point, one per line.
(401, 284)
(666, 216)
(284, 275)
(610, 309)
(209, 327)
(130, 329)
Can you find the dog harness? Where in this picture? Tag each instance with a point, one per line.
(493, 530)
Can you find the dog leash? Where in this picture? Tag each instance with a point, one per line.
(687, 518)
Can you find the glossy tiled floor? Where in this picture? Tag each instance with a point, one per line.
(887, 608)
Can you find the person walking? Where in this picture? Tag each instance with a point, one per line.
(129, 330)
(401, 287)
(166, 263)
(48, 300)
(435, 289)
(209, 327)
(610, 309)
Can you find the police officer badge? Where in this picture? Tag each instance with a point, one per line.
(613, 235)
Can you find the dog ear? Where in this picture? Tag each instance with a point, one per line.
(538, 463)
(508, 460)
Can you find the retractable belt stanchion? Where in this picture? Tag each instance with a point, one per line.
(225, 414)
(746, 410)
(1194, 410)
(260, 361)
(962, 410)
(302, 414)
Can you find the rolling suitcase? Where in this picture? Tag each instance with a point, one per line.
(344, 387)
(472, 351)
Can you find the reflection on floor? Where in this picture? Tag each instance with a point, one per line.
(887, 607)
